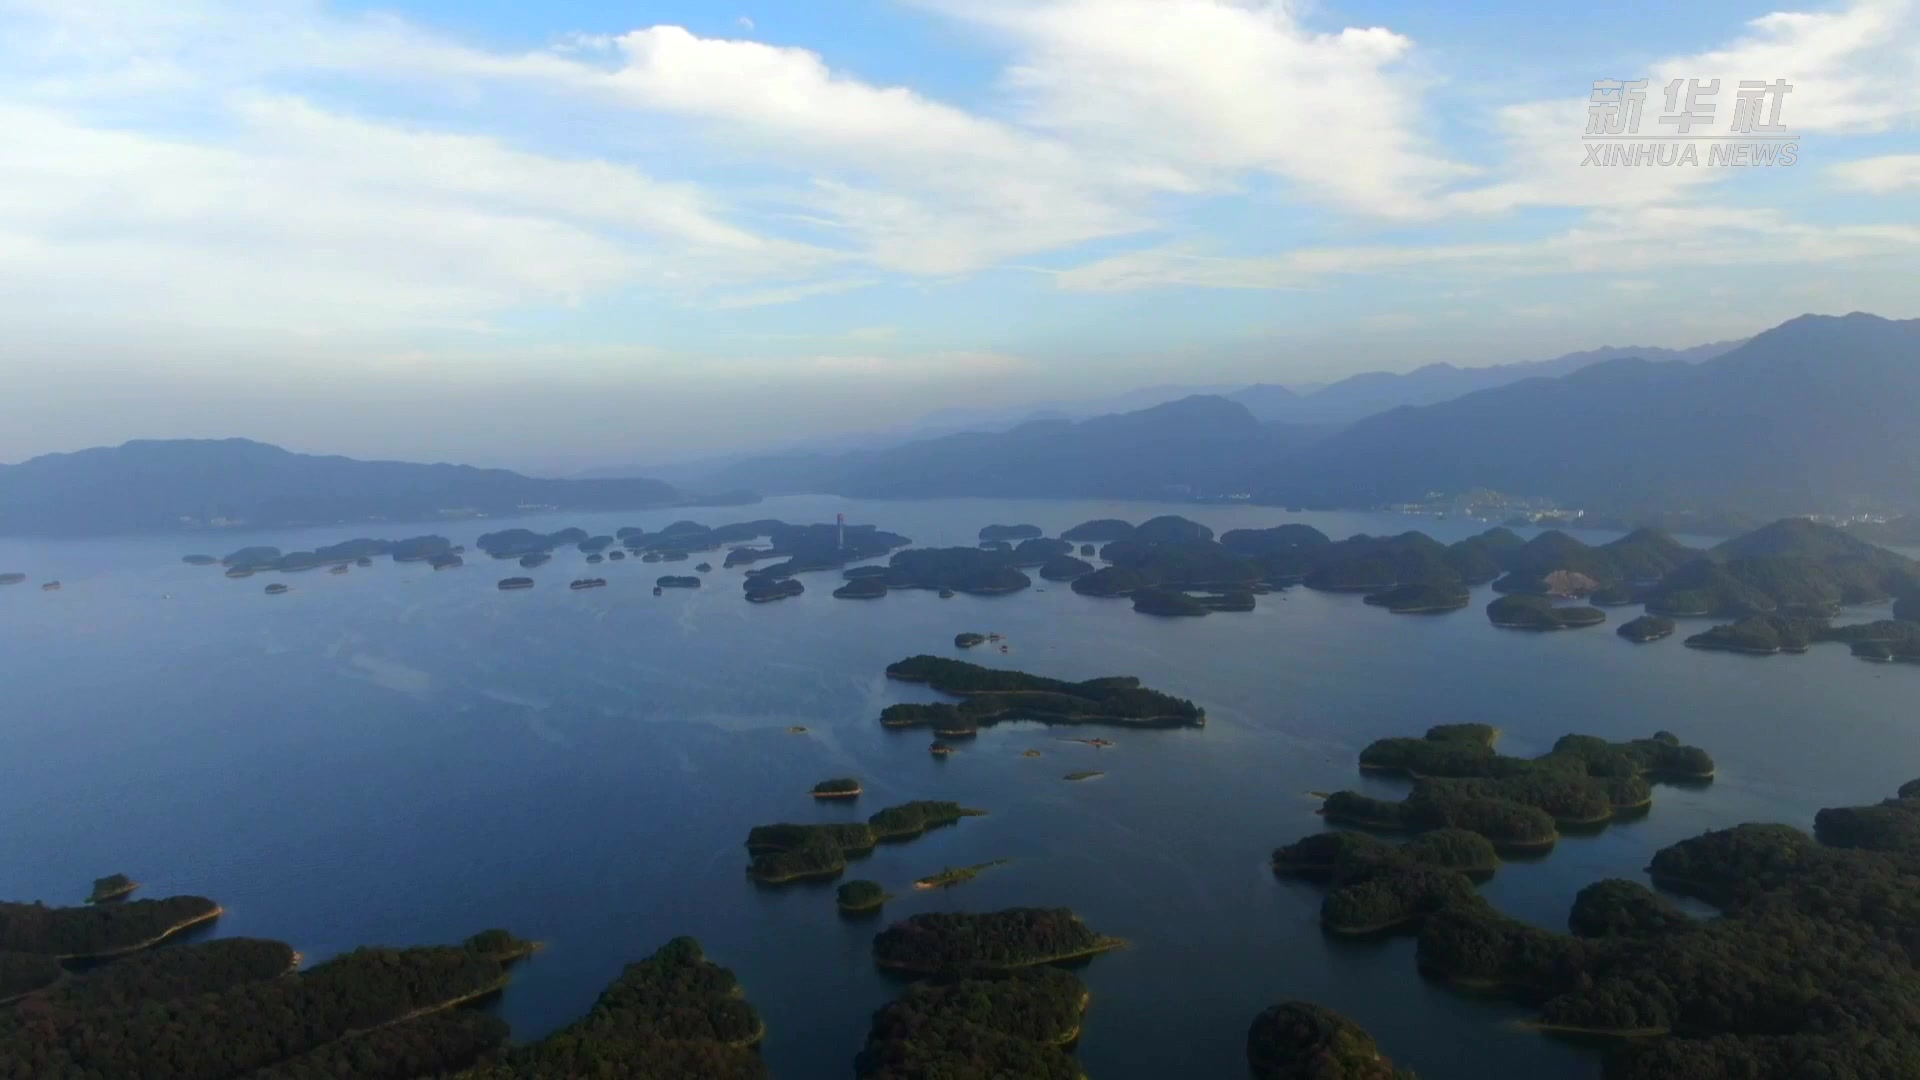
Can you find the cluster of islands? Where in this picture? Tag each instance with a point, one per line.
(1811, 959)
(1809, 969)
(1777, 589)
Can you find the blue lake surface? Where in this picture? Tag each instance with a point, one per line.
(399, 756)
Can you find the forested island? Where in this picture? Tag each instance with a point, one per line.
(1801, 967)
(1296, 1040)
(766, 590)
(788, 852)
(952, 943)
(1805, 971)
(1460, 781)
(12, 578)
(992, 695)
(513, 583)
(1525, 611)
(674, 1016)
(845, 787)
(858, 897)
(1792, 567)
(671, 581)
(1018, 1024)
(1646, 628)
(346, 553)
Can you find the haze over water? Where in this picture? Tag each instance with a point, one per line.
(401, 756)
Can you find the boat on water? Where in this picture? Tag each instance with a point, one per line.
(589, 583)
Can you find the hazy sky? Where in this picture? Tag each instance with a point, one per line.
(586, 232)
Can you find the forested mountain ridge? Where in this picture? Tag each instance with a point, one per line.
(1196, 445)
(1814, 414)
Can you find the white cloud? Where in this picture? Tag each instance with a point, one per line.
(1210, 91)
(1879, 175)
(1854, 69)
(307, 221)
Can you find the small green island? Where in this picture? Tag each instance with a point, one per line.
(1018, 1024)
(800, 852)
(1646, 628)
(1066, 567)
(1296, 1040)
(672, 581)
(968, 640)
(845, 787)
(1420, 598)
(991, 695)
(190, 560)
(951, 876)
(857, 897)
(1374, 887)
(1757, 635)
(761, 590)
(110, 888)
(515, 583)
(1525, 611)
(1085, 774)
(277, 589)
(955, 943)
(864, 587)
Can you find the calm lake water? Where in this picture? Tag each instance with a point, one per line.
(401, 756)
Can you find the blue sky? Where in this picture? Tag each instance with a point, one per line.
(580, 232)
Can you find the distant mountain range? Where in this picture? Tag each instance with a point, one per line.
(1312, 405)
(1373, 392)
(1816, 414)
(163, 485)
(1174, 450)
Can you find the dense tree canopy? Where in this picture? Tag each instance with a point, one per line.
(1525, 611)
(232, 1016)
(1296, 1040)
(673, 1016)
(953, 943)
(1012, 1025)
(1646, 628)
(99, 930)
